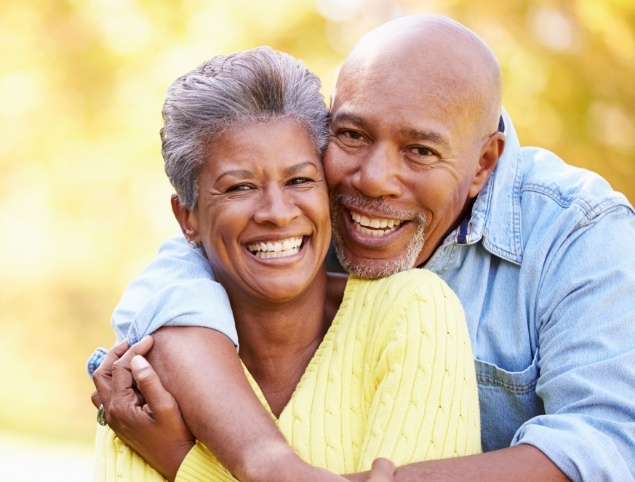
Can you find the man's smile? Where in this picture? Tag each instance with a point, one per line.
(374, 226)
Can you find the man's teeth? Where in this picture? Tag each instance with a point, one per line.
(277, 249)
(380, 226)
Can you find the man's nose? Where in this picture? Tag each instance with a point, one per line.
(378, 173)
(277, 207)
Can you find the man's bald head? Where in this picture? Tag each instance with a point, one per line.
(442, 56)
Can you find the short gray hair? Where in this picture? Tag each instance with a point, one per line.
(256, 85)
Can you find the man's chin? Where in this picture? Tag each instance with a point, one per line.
(367, 268)
(373, 268)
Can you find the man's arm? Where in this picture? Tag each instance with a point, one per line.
(522, 462)
(519, 463)
(177, 288)
(585, 313)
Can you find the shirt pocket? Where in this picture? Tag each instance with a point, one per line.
(507, 400)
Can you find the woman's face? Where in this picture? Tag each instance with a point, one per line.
(263, 210)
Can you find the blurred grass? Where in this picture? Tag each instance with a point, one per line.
(31, 459)
(84, 202)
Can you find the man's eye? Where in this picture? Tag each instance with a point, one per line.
(422, 155)
(349, 137)
(423, 151)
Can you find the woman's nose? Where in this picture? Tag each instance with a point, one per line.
(277, 207)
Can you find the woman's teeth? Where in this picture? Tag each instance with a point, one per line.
(277, 249)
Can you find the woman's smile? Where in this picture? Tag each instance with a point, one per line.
(276, 249)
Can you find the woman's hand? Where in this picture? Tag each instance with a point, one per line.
(139, 409)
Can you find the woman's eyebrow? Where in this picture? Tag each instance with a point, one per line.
(243, 173)
(298, 167)
(235, 173)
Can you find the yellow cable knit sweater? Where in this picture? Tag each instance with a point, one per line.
(394, 377)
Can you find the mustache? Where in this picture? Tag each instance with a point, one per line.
(379, 206)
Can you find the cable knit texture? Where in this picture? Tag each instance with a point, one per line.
(394, 377)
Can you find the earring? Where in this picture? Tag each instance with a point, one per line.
(193, 245)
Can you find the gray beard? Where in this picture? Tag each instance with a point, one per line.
(373, 269)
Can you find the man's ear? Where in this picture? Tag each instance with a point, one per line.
(187, 219)
(490, 154)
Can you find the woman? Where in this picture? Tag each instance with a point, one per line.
(349, 370)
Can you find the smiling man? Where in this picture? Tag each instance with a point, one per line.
(414, 138)
(424, 171)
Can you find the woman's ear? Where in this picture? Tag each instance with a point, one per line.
(490, 154)
(187, 219)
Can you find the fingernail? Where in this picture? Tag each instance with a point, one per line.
(142, 339)
(138, 362)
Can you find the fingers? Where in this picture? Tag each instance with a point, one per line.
(94, 397)
(159, 401)
(121, 374)
(113, 355)
(102, 378)
(383, 470)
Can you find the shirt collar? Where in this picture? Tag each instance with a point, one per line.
(496, 216)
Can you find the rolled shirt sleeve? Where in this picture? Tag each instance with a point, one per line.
(177, 288)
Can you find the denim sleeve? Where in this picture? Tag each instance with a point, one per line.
(177, 288)
(586, 351)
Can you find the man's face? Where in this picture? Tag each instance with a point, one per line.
(401, 167)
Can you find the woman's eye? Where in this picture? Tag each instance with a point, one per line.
(299, 180)
(239, 187)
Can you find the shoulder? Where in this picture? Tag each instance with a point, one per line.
(556, 183)
(399, 290)
(562, 206)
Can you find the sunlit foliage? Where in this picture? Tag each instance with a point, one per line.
(84, 202)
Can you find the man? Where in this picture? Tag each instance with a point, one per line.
(421, 174)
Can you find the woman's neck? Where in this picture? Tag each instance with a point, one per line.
(277, 341)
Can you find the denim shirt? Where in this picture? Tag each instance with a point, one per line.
(546, 274)
(545, 270)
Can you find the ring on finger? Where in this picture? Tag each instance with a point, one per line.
(101, 416)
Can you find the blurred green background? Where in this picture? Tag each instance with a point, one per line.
(84, 202)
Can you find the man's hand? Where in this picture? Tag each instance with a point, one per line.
(382, 470)
(146, 417)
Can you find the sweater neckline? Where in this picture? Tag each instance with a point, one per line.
(314, 362)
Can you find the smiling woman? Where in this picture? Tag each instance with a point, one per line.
(348, 370)
(262, 214)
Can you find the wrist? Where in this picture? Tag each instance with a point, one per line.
(272, 462)
(172, 463)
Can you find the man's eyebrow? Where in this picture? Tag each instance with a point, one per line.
(429, 136)
(348, 117)
(423, 135)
